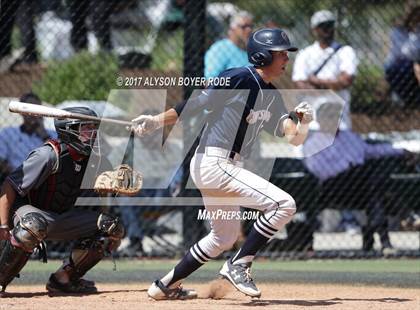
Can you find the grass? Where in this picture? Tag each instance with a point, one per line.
(389, 265)
(393, 273)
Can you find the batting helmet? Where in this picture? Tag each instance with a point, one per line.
(263, 41)
(68, 130)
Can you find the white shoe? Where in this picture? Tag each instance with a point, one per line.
(240, 277)
(158, 291)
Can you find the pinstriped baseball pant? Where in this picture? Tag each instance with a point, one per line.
(226, 185)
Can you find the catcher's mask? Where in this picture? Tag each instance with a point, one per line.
(79, 134)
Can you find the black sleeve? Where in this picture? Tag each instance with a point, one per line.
(34, 170)
(193, 106)
(212, 97)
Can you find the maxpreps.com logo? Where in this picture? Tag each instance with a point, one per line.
(261, 115)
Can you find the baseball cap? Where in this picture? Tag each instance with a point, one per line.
(322, 17)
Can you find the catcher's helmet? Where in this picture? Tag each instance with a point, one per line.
(265, 40)
(68, 130)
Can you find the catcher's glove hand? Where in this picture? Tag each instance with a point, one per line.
(123, 180)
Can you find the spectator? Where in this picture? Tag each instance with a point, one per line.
(17, 141)
(399, 71)
(100, 11)
(326, 64)
(231, 51)
(344, 174)
(22, 12)
(411, 50)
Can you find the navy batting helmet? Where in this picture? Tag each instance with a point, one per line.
(68, 130)
(265, 40)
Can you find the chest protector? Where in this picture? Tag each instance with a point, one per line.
(60, 190)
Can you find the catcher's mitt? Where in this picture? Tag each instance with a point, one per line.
(123, 180)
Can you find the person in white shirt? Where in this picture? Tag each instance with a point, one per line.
(326, 64)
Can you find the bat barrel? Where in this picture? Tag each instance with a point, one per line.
(39, 110)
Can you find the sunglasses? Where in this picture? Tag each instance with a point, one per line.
(246, 26)
(326, 25)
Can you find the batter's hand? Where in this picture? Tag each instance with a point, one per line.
(145, 124)
(305, 112)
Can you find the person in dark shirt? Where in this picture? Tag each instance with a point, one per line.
(17, 141)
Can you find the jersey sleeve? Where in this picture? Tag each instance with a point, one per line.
(34, 170)
(212, 97)
(192, 106)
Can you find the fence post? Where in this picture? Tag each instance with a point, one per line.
(194, 47)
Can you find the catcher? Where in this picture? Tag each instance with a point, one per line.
(37, 201)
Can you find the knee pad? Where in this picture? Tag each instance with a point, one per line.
(112, 229)
(111, 226)
(12, 260)
(30, 231)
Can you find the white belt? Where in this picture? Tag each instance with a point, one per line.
(223, 153)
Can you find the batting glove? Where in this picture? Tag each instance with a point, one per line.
(305, 112)
(145, 124)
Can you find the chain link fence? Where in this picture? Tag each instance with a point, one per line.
(74, 52)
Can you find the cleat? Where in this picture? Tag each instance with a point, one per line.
(158, 291)
(240, 277)
(73, 287)
(88, 283)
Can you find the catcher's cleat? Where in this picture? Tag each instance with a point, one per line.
(240, 277)
(158, 291)
(85, 282)
(73, 287)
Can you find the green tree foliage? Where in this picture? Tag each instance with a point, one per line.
(83, 77)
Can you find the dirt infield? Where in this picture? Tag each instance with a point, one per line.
(275, 296)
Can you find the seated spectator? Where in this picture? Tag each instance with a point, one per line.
(17, 141)
(399, 71)
(344, 174)
(230, 52)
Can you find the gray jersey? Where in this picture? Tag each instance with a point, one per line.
(53, 183)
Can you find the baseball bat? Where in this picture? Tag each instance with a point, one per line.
(39, 110)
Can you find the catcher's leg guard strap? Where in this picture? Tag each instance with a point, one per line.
(87, 253)
(12, 260)
(84, 256)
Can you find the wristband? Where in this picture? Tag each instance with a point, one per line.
(294, 117)
(4, 226)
